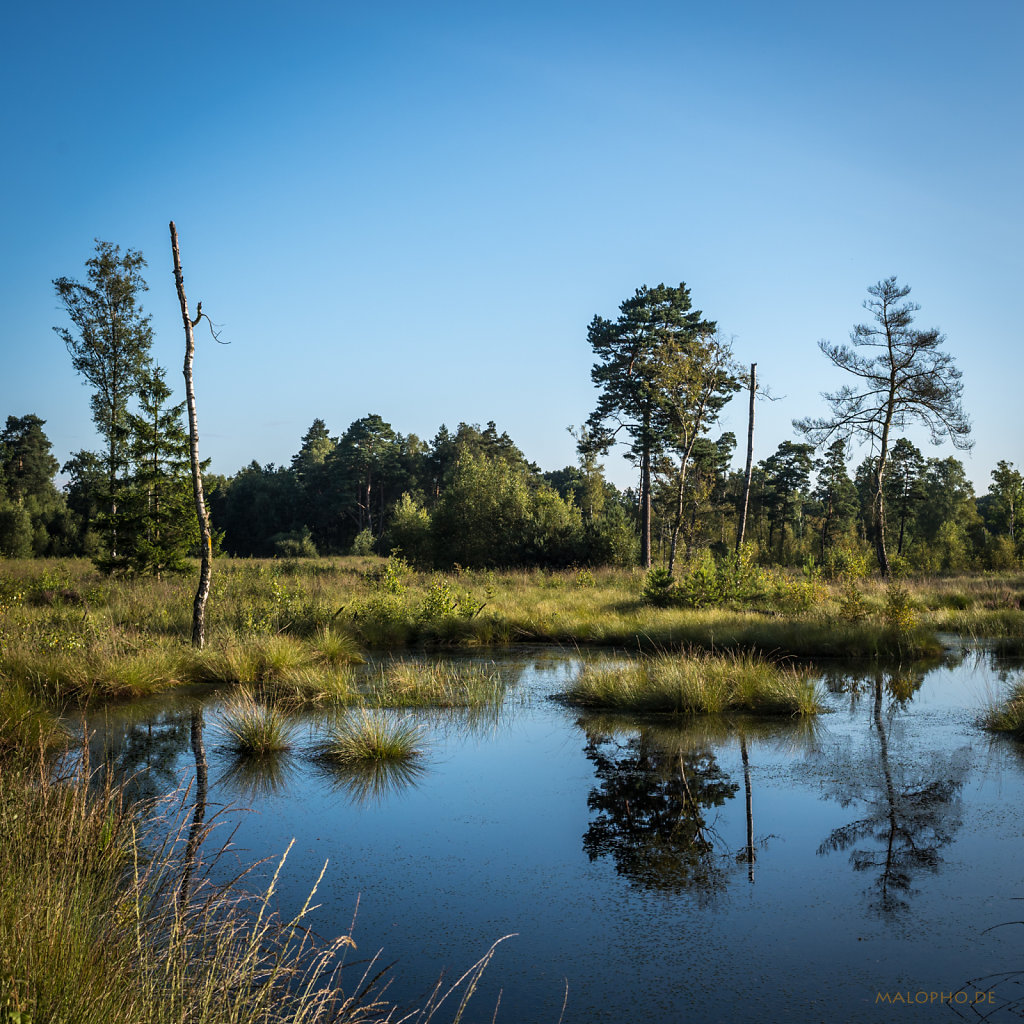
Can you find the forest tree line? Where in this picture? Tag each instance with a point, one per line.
(471, 497)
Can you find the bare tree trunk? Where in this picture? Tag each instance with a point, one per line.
(206, 540)
(750, 460)
(645, 495)
(749, 853)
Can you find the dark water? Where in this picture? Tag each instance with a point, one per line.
(860, 869)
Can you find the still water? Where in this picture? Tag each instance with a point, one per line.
(864, 868)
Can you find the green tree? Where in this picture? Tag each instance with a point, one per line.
(787, 474)
(654, 330)
(697, 379)
(950, 527)
(26, 478)
(313, 491)
(834, 494)
(1007, 490)
(904, 376)
(156, 519)
(109, 344)
(904, 486)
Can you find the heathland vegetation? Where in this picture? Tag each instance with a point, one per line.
(721, 583)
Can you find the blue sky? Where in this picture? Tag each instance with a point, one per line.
(416, 209)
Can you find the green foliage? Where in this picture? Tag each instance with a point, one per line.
(363, 543)
(411, 531)
(900, 615)
(659, 587)
(585, 579)
(109, 346)
(295, 544)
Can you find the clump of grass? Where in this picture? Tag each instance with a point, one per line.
(315, 685)
(438, 684)
(25, 723)
(334, 647)
(63, 676)
(367, 737)
(254, 728)
(697, 684)
(1008, 715)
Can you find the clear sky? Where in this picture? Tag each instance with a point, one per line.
(415, 209)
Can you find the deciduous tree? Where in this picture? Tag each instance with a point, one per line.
(109, 343)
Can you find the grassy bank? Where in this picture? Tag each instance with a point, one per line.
(104, 918)
(69, 634)
(696, 684)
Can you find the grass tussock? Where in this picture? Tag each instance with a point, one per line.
(366, 737)
(697, 683)
(1008, 715)
(438, 684)
(254, 728)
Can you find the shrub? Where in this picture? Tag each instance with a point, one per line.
(659, 587)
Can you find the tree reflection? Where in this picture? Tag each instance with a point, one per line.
(651, 811)
(140, 751)
(911, 813)
(197, 830)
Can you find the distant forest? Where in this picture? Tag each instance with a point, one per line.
(470, 497)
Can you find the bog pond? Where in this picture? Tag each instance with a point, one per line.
(865, 866)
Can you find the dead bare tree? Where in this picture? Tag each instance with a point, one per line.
(205, 537)
(750, 460)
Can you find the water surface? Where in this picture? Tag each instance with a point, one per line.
(663, 871)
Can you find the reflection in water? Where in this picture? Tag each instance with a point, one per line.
(900, 685)
(139, 750)
(650, 811)
(911, 814)
(197, 829)
(748, 854)
(251, 777)
(373, 781)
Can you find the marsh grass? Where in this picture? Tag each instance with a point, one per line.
(72, 635)
(101, 919)
(363, 737)
(25, 722)
(1007, 715)
(368, 755)
(696, 683)
(254, 728)
(444, 684)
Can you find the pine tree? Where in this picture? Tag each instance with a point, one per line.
(155, 518)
